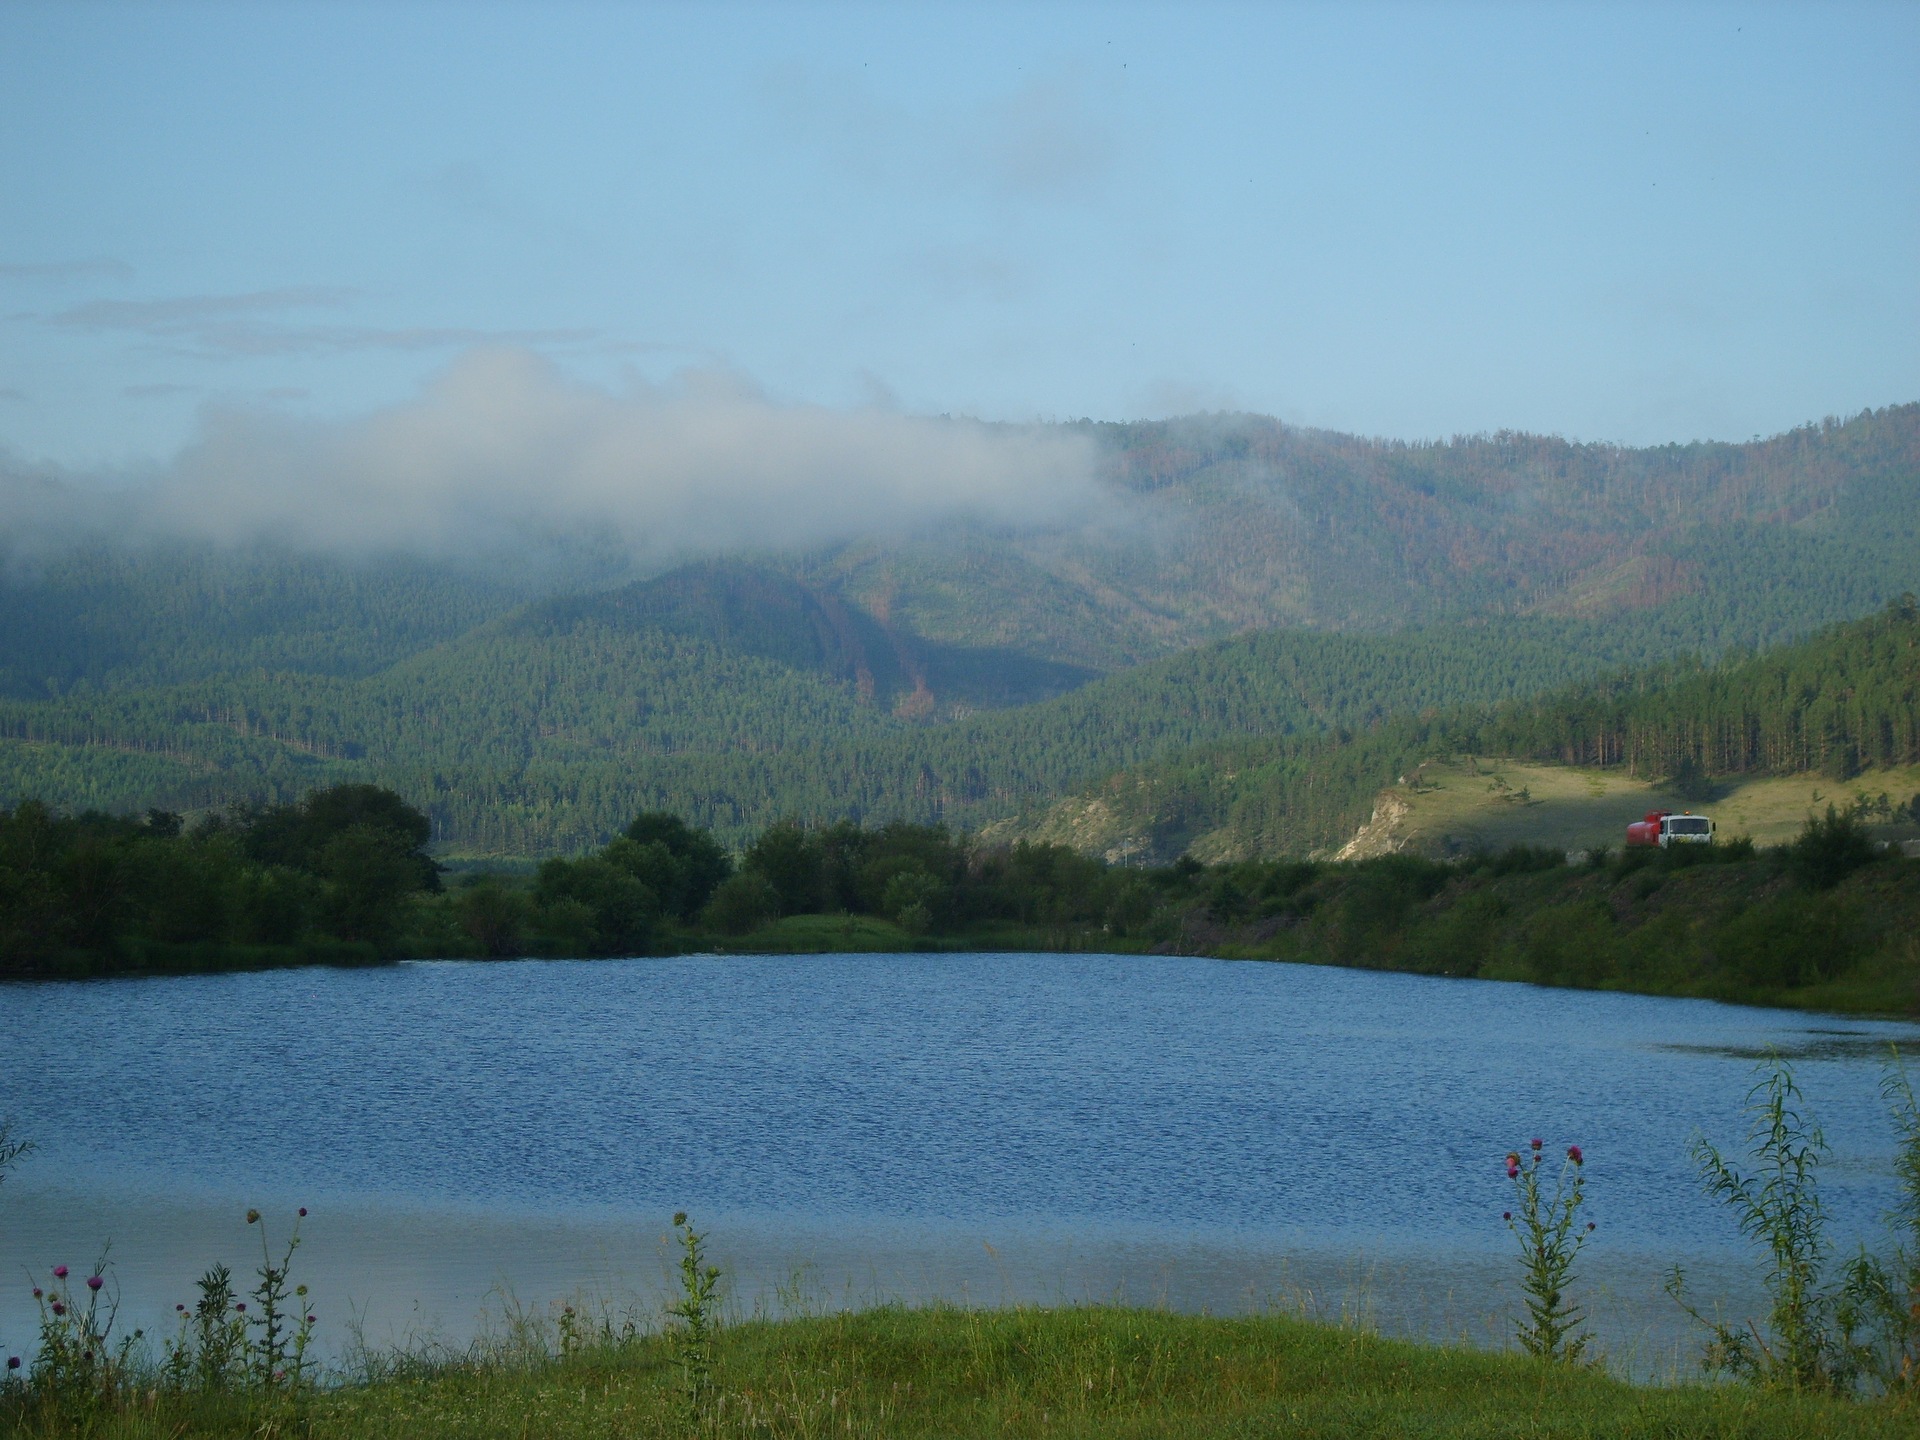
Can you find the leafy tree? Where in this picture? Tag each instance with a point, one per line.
(369, 872)
(787, 858)
(701, 863)
(911, 899)
(298, 835)
(623, 912)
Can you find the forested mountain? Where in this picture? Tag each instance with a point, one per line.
(1842, 701)
(757, 611)
(1212, 526)
(113, 617)
(1225, 523)
(953, 677)
(534, 738)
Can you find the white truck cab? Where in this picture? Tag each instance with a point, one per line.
(1686, 830)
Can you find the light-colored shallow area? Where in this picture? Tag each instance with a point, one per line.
(392, 1275)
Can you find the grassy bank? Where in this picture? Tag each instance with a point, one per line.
(1683, 923)
(946, 1372)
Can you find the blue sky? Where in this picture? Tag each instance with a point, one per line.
(1619, 223)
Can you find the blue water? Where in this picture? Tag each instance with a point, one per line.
(1141, 1102)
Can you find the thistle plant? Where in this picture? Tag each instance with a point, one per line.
(277, 1350)
(1808, 1343)
(210, 1350)
(80, 1366)
(1551, 1238)
(697, 1311)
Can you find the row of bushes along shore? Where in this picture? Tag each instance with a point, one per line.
(343, 877)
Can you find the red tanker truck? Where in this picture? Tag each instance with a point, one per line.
(1664, 828)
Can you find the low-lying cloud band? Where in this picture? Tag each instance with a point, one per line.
(503, 450)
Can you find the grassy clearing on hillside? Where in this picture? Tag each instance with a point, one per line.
(1103, 1372)
(1489, 803)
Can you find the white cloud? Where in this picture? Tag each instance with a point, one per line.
(503, 451)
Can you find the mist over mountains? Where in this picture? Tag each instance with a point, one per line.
(693, 642)
(502, 454)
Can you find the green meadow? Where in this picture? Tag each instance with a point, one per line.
(1076, 1372)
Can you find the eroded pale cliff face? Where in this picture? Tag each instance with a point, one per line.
(1093, 825)
(1384, 833)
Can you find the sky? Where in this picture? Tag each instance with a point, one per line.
(1619, 223)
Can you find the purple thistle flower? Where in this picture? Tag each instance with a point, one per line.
(94, 1282)
(58, 1308)
(241, 1306)
(181, 1308)
(59, 1272)
(38, 1292)
(1536, 1142)
(303, 1212)
(1573, 1154)
(1513, 1172)
(1506, 1215)
(13, 1362)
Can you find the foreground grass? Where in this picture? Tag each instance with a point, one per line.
(1026, 1372)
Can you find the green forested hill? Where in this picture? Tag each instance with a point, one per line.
(757, 611)
(1846, 699)
(541, 732)
(111, 617)
(947, 676)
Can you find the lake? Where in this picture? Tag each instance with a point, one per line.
(1201, 1133)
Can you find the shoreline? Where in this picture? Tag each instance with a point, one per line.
(248, 960)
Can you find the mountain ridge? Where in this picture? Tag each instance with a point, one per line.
(966, 676)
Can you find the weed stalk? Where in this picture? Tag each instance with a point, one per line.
(1551, 1238)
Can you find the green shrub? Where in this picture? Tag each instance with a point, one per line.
(495, 917)
(1807, 1344)
(1830, 849)
(1571, 944)
(1792, 940)
(743, 902)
